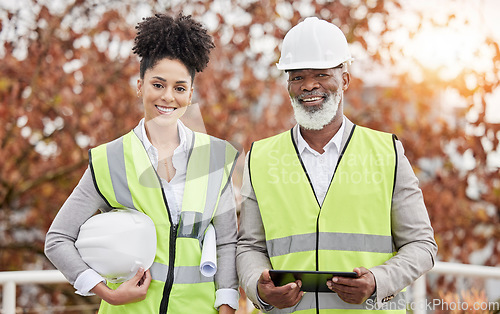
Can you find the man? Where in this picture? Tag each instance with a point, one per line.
(329, 196)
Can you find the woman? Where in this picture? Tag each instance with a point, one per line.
(172, 50)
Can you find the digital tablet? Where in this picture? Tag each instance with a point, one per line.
(312, 281)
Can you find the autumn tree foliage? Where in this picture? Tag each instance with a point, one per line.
(60, 94)
(67, 83)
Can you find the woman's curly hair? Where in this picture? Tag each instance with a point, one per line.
(181, 38)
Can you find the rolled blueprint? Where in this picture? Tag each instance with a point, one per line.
(208, 263)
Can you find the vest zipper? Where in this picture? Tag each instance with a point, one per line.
(170, 275)
(316, 294)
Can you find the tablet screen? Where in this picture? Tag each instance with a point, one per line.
(312, 281)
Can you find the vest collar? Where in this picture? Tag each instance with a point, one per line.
(347, 125)
(335, 140)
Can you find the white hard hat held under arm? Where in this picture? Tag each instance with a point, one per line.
(117, 243)
(313, 44)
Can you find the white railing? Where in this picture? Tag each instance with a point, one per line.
(456, 269)
(10, 279)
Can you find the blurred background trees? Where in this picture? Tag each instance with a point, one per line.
(67, 83)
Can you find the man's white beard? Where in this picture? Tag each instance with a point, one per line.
(316, 118)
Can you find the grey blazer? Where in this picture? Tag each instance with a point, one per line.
(412, 234)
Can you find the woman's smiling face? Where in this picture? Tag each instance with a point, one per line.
(166, 91)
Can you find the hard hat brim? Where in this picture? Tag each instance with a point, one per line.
(312, 65)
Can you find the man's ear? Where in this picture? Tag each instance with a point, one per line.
(346, 79)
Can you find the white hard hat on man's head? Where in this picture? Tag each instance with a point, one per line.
(117, 243)
(313, 44)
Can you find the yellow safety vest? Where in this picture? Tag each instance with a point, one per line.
(125, 178)
(352, 227)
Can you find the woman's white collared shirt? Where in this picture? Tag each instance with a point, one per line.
(174, 190)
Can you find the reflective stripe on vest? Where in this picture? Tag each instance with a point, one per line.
(125, 177)
(352, 227)
(330, 241)
(331, 303)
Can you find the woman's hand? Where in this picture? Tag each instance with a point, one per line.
(226, 309)
(132, 290)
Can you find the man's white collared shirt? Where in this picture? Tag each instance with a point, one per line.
(320, 167)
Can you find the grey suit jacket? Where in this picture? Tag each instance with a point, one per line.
(412, 234)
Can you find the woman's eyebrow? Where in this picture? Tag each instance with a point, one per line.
(164, 80)
(160, 78)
